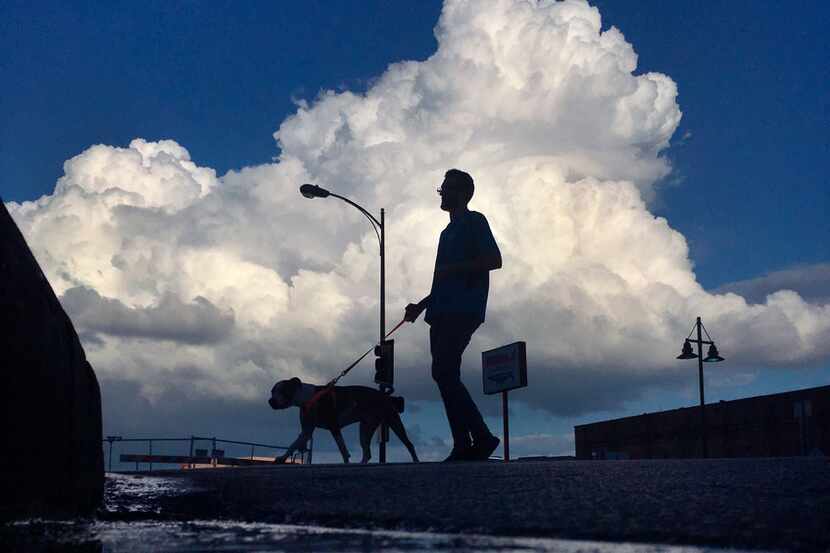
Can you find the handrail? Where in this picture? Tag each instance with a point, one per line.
(192, 439)
(118, 439)
(240, 443)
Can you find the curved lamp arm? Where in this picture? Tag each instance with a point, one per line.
(375, 223)
(366, 213)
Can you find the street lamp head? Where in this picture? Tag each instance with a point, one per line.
(313, 191)
(687, 351)
(713, 356)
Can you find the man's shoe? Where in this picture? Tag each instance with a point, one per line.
(459, 454)
(482, 450)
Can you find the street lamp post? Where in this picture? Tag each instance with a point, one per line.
(313, 191)
(711, 357)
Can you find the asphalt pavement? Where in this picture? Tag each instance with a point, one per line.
(754, 503)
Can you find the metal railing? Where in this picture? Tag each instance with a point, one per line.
(197, 455)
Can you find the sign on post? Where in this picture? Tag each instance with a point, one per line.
(504, 369)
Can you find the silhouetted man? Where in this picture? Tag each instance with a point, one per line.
(455, 308)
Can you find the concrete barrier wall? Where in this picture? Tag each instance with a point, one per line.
(52, 460)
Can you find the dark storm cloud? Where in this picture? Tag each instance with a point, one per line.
(811, 282)
(197, 322)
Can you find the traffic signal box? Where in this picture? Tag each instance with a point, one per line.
(385, 365)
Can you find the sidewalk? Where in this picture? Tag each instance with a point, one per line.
(763, 503)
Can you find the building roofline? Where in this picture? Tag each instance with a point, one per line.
(751, 398)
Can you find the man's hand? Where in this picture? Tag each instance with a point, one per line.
(412, 312)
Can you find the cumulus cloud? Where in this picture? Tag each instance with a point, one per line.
(218, 286)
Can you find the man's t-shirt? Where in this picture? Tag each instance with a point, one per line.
(465, 238)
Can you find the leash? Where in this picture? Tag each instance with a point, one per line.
(330, 386)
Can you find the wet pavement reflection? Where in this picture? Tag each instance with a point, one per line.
(140, 494)
(133, 522)
(193, 536)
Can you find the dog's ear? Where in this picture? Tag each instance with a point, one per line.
(292, 386)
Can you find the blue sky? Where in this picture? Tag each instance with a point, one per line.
(748, 187)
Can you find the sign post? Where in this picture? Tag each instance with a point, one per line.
(504, 369)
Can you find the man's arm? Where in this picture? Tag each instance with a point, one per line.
(484, 252)
(487, 262)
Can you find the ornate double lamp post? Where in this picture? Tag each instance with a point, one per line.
(312, 191)
(712, 356)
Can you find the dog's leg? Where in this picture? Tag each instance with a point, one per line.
(341, 445)
(396, 425)
(300, 443)
(367, 430)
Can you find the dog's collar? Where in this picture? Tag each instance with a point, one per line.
(303, 393)
(308, 405)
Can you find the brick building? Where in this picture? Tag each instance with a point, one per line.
(778, 425)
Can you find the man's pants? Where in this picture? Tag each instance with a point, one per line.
(448, 337)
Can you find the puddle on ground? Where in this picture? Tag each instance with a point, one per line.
(136, 493)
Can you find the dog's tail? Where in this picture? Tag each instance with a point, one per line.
(397, 403)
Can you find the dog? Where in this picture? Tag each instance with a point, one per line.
(335, 408)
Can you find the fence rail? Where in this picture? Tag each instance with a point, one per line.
(196, 455)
